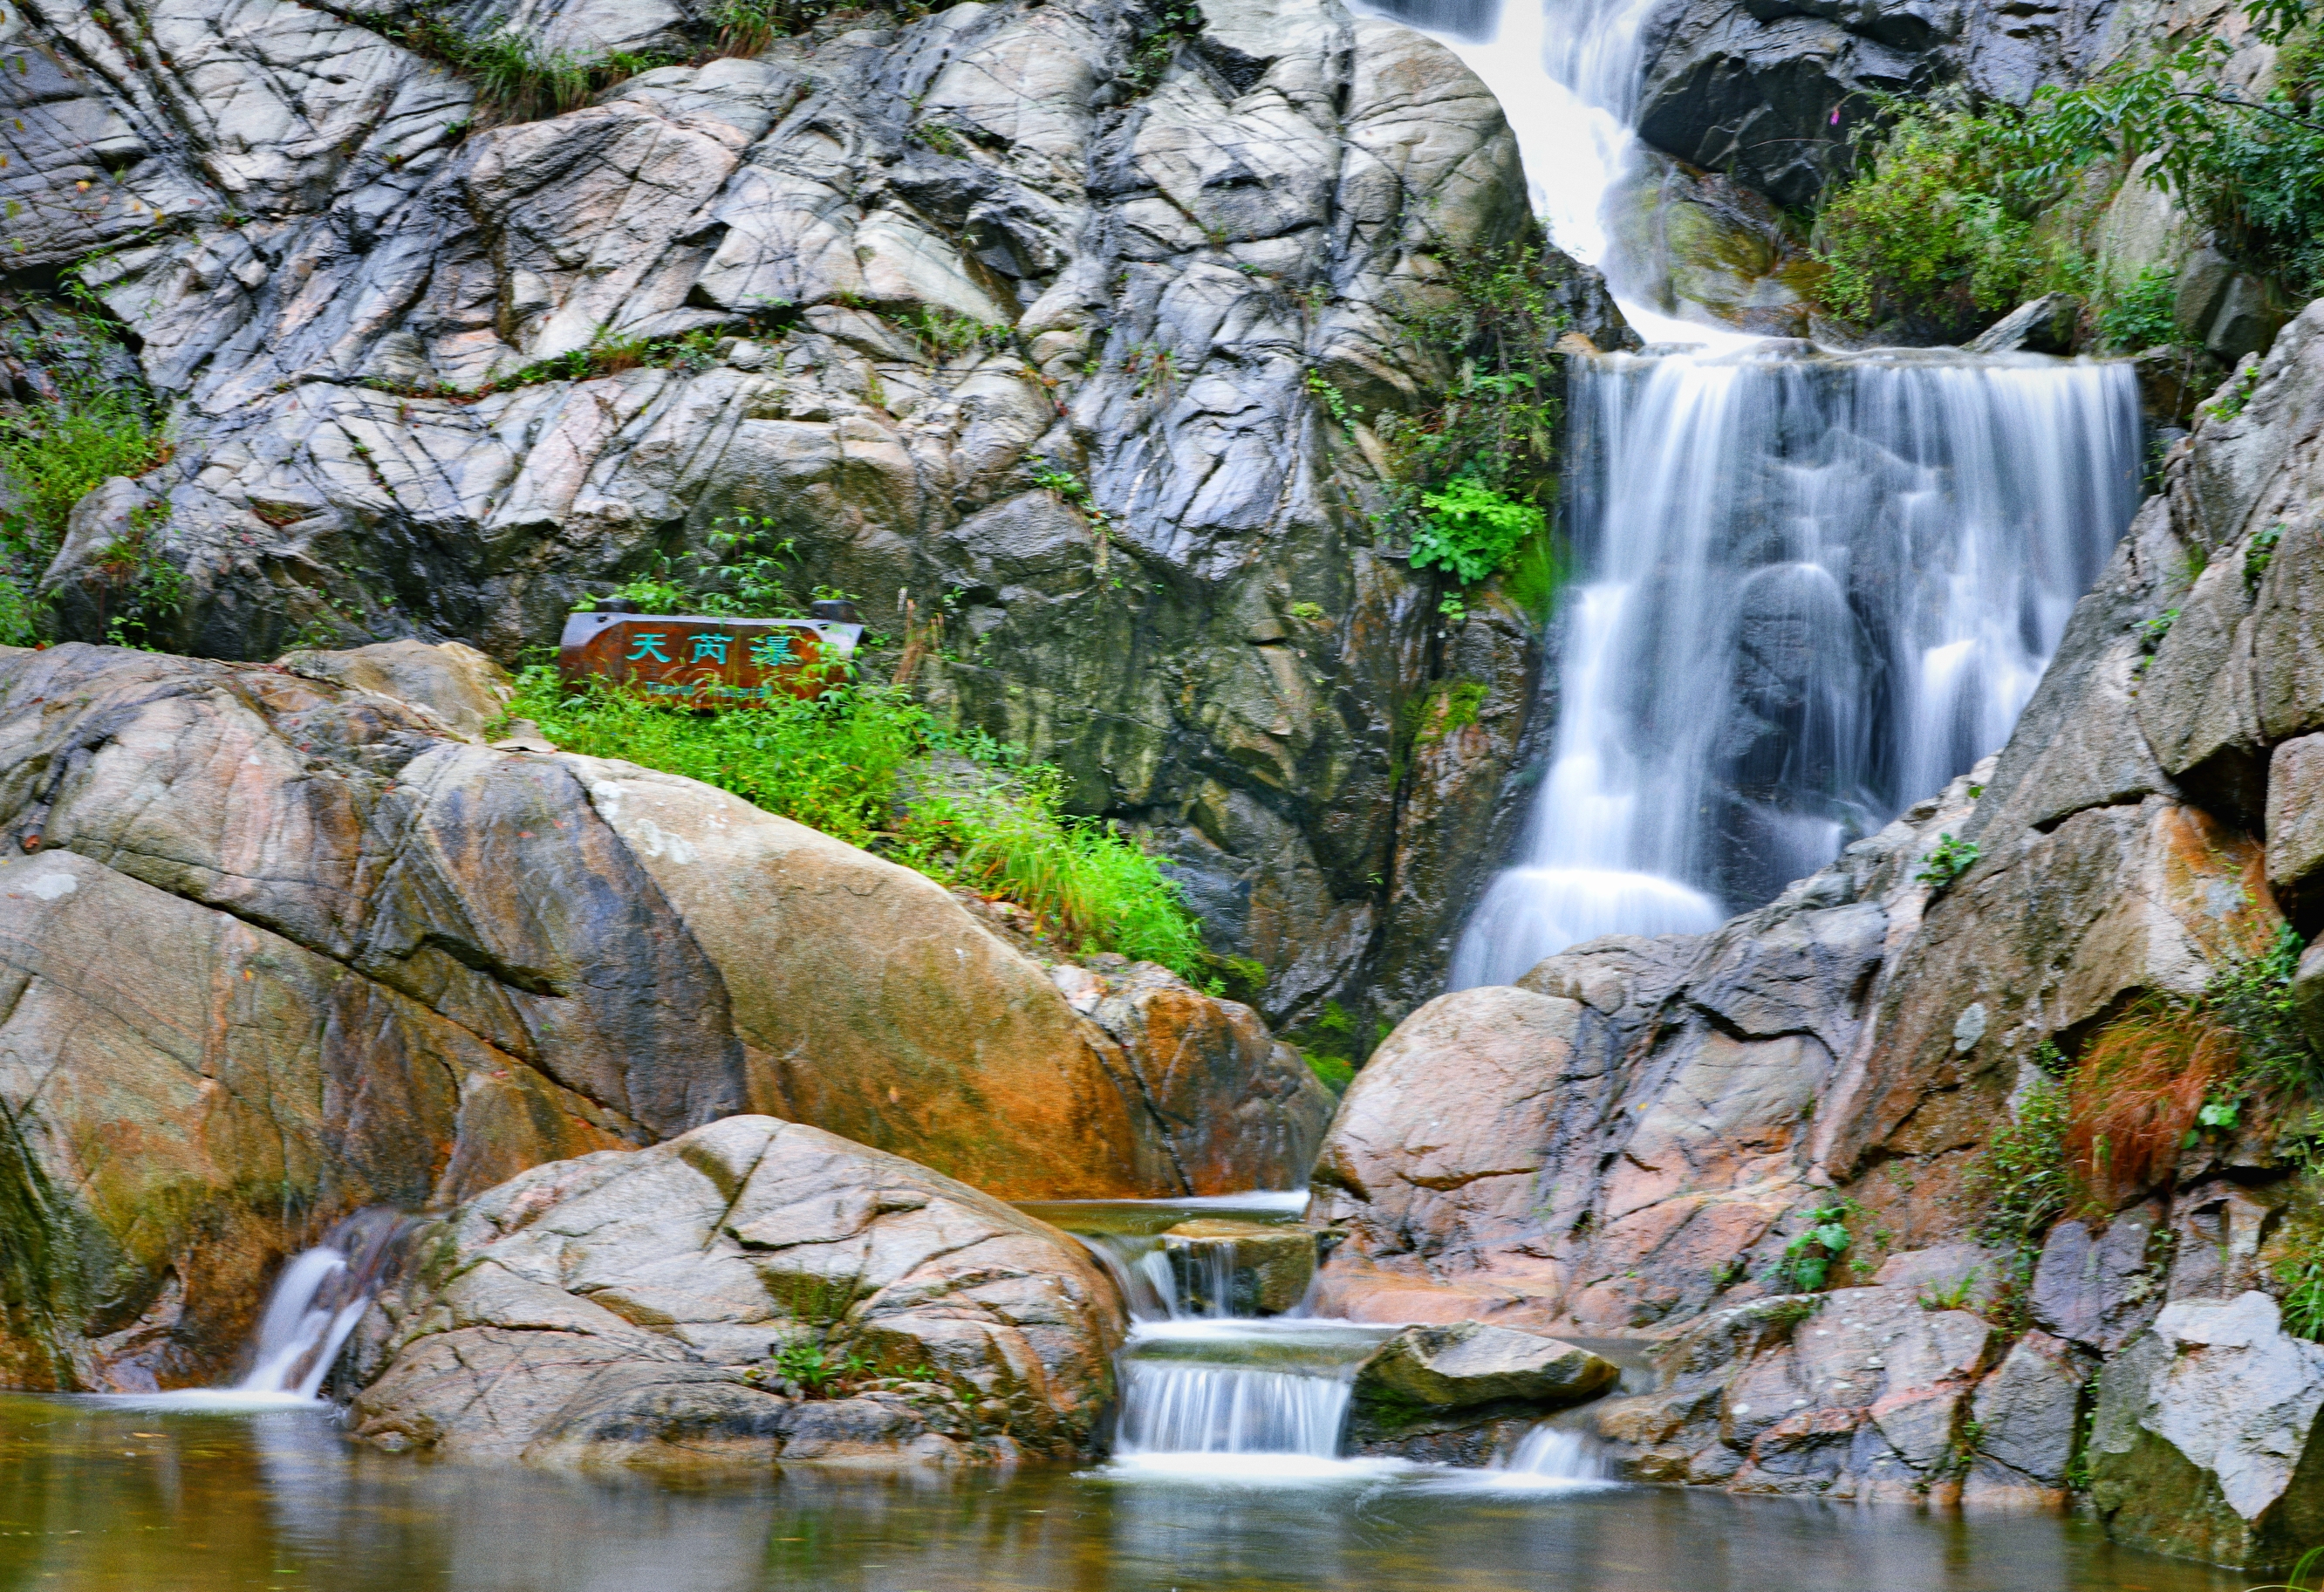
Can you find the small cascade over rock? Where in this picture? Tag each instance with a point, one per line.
(317, 1302)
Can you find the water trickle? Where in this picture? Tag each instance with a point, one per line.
(1173, 1407)
(316, 1303)
(1551, 1455)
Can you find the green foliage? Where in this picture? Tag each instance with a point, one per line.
(2229, 401)
(53, 454)
(2142, 313)
(740, 575)
(945, 332)
(2252, 996)
(1335, 404)
(816, 1371)
(2023, 1173)
(838, 763)
(1947, 860)
(1808, 1258)
(2151, 632)
(1532, 576)
(1334, 1073)
(1056, 478)
(1330, 1042)
(1476, 472)
(1084, 882)
(1936, 226)
(2259, 555)
(1159, 38)
(2250, 170)
(1472, 530)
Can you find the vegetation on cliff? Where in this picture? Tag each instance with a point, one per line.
(1959, 210)
(871, 765)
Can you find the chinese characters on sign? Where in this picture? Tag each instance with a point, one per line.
(698, 662)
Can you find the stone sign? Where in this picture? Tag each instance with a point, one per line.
(692, 661)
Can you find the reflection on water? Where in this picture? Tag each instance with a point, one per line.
(113, 1498)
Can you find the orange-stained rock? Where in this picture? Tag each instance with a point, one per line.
(871, 1004)
(316, 954)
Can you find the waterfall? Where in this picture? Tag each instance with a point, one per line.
(1810, 587)
(1554, 1456)
(315, 1303)
(1814, 588)
(1173, 1407)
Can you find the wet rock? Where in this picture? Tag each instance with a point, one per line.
(630, 1308)
(2028, 1415)
(1250, 1268)
(1860, 1393)
(1423, 1375)
(2203, 1444)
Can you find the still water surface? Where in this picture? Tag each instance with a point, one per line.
(104, 1498)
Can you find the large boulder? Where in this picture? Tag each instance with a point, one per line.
(860, 288)
(2205, 1441)
(631, 1308)
(350, 960)
(1240, 1268)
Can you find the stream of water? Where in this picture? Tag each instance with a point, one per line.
(1810, 587)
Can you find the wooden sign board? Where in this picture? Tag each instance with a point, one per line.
(693, 661)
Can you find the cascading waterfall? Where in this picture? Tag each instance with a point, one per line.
(1186, 1407)
(1813, 590)
(1812, 587)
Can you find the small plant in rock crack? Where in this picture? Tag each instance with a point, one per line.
(2151, 634)
(819, 1372)
(2259, 556)
(1947, 860)
(1806, 1263)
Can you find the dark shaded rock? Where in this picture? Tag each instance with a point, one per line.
(2099, 1291)
(2040, 325)
(2028, 1414)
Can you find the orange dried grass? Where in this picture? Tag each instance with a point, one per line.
(2138, 1088)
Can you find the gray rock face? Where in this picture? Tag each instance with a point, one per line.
(1861, 1393)
(922, 260)
(2040, 325)
(629, 1307)
(2204, 1443)
(1618, 1143)
(2102, 1292)
(1768, 91)
(1426, 1374)
(2028, 1414)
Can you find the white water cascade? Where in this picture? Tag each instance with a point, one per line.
(316, 1303)
(1810, 587)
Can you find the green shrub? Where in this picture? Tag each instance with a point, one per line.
(1805, 1264)
(2251, 170)
(2023, 1174)
(1947, 860)
(53, 454)
(838, 765)
(1933, 229)
(1476, 471)
(2142, 313)
(517, 77)
(1331, 1071)
(1472, 530)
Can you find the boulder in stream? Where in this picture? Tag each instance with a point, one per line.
(679, 1306)
(1428, 1381)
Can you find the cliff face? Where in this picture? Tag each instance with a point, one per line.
(430, 376)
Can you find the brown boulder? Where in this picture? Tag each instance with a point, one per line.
(628, 1309)
(458, 686)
